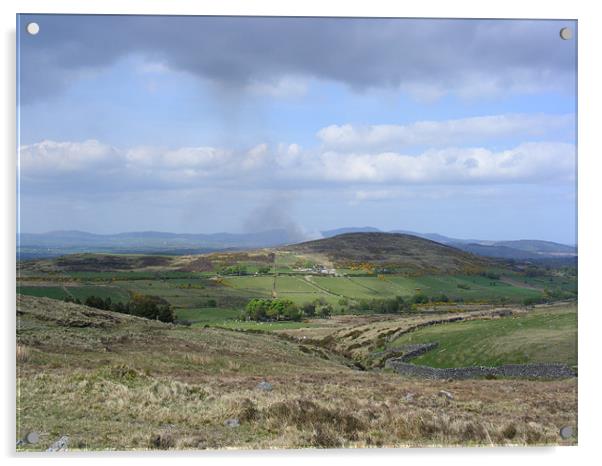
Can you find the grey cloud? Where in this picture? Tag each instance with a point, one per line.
(432, 56)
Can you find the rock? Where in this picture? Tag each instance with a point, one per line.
(60, 444)
(265, 386)
(409, 397)
(233, 422)
(446, 394)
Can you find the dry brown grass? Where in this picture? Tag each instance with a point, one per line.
(23, 354)
(173, 388)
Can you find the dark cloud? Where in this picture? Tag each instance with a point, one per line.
(429, 55)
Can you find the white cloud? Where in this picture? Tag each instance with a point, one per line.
(529, 162)
(256, 156)
(48, 157)
(441, 133)
(93, 164)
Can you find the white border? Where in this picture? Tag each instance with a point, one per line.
(590, 40)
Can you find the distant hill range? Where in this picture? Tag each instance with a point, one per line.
(56, 243)
(522, 249)
(151, 242)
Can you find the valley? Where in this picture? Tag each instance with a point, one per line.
(333, 312)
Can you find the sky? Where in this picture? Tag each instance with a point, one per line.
(207, 124)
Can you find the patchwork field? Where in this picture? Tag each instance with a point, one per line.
(325, 321)
(347, 272)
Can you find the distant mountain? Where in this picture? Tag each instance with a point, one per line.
(342, 231)
(517, 249)
(436, 237)
(499, 252)
(57, 243)
(539, 247)
(391, 250)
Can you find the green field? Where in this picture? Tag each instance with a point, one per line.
(54, 292)
(479, 288)
(233, 292)
(260, 286)
(541, 336)
(79, 292)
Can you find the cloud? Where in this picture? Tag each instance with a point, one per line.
(444, 133)
(526, 163)
(92, 166)
(49, 157)
(277, 56)
(199, 158)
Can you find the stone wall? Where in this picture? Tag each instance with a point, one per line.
(536, 371)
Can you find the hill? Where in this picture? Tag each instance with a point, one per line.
(539, 247)
(56, 243)
(393, 250)
(113, 382)
(342, 231)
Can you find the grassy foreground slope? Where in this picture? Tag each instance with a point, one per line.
(112, 381)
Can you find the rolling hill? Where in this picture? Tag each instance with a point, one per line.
(116, 382)
(56, 243)
(401, 251)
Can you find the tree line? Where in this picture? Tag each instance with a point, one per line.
(259, 309)
(147, 306)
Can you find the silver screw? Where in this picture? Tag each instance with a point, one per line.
(566, 432)
(566, 34)
(33, 28)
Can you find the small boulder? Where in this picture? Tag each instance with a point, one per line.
(233, 422)
(409, 397)
(60, 445)
(446, 394)
(265, 386)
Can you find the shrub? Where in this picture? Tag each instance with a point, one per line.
(309, 309)
(272, 309)
(420, 298)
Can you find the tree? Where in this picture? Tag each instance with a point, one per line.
(309, 309)
(420, 298)
(272, 309)
(325, 311)
(151, 307)
(257, 309)
(440, 298)
(292, 311)
(95, 301)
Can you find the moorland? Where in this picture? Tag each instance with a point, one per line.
(137, 351)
